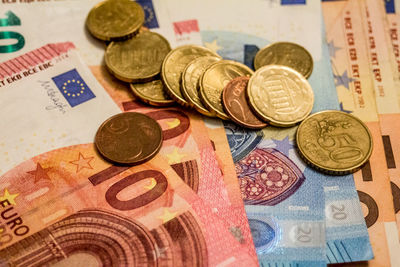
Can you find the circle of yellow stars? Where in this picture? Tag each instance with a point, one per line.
(79, 83)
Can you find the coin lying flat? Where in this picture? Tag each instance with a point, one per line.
(235, 104)
(138, 59)
(129, 138)
(286, 54)
(174, 65)
(213, 81)
(334, 142)
(152, 93)
(115, 19)
(191, 79)
(280, 95)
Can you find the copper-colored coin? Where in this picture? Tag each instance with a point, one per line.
(235, 104)
(129, 138)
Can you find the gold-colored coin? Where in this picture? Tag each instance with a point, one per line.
(115, 19)
(286, 54)
(334, 142)
(138, 59)
(174, 64)
(213, 81)
(191, 79)
(280, 95)
(152, 93)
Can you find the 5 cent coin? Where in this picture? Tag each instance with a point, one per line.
(129, 138)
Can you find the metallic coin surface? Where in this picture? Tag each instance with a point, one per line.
(129, 138)
(286, 54)
(152, 93)
(334, 142)
(214, 80)
(280, 95)
(174, 65)
(191, 79)
(235, 104)
(115, 19)
(138, 59)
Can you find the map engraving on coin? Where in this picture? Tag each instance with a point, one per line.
(129, 138)
(334, 142)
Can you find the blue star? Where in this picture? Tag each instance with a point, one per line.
(332, 49)
(343, 80)
(283, 145)
(344, 110)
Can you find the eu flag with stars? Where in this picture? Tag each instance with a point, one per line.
(73, 87)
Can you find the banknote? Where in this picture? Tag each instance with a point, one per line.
(234, 41)
(390, 134)
(78, 207)
(186, 144)
(363, 78)
(62, 76)
(49, 100)
(229, 43)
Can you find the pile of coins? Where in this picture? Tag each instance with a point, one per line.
(276, 94)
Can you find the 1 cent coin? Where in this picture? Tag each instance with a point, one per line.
(235, 104)
(334, 142)
(129, 138)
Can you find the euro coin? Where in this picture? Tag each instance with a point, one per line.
(235, 104)
(280, 95)
(152, 93)
(115, 19)
(214, 80)
(174, 65)
(191, 79)
(138, 59)
(129, 138)
(286, 54)
(334, 142)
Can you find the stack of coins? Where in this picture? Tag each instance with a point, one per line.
(276, 94)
